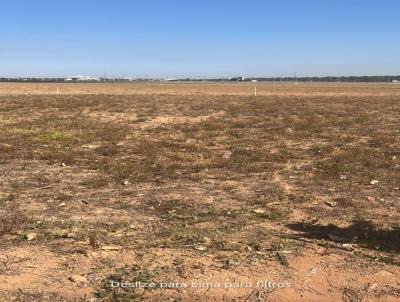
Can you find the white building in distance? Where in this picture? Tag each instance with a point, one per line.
(81, 79)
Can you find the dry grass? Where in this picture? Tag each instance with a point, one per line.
(227, 88)
(151, 176)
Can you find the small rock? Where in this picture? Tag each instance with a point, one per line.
(89, 146)
(200, 248)
(227, 154)
(348, 245)
(111, 247)
(5, 146)
(282, 259)
(126, 182)
(331, 203)
(31, 236)
(374, 182)
(343, 177)
(371, 286)
(259, 211)
(228, 263)
(77, 279)
(63, 204)
(63, 165)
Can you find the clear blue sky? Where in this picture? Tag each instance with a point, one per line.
(199, 38)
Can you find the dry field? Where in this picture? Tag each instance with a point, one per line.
(203, 186)
(165, 88)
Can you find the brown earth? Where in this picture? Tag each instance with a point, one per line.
(203, 190)
(227, 88)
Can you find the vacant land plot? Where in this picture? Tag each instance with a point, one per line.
(226, 88)
(204, 191)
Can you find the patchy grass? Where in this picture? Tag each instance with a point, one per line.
(111, 182)
(52, 136)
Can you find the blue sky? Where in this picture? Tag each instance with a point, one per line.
(199, 38)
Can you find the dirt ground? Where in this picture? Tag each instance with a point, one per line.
(226, 88)
(199, 192)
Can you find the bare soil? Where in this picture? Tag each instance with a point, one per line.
(203, 190)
